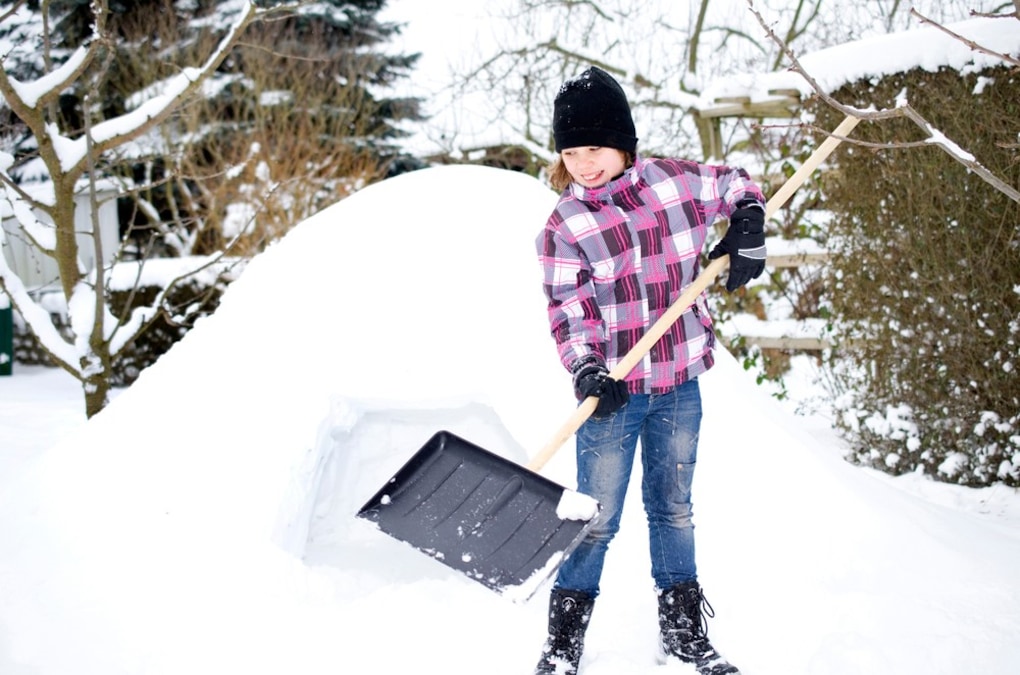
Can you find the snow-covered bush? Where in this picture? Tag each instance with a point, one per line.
(926, 280)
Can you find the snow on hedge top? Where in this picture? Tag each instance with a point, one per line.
(874, 57)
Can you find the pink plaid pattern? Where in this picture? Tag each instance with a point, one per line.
(616, 257)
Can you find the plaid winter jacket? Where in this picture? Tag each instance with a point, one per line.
(616, 256)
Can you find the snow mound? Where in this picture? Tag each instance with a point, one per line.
(203, 523)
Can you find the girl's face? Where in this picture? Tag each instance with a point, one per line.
(593, 167)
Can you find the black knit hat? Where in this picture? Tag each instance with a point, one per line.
(592, 110)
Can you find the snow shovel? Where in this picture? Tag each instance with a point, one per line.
(503, 524)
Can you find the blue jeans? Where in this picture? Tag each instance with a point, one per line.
(668, 427)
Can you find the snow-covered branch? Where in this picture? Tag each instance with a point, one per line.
(118, 130)
(48, 87)
(62, 353)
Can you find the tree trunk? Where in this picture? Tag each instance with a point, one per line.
(96, 384)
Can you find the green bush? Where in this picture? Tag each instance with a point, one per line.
(925, 280)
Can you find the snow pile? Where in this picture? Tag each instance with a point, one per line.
(203, 523)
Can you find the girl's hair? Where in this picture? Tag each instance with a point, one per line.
(560, 178)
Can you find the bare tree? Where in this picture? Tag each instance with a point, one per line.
(70, 158)
(665, 53)
(273, 180)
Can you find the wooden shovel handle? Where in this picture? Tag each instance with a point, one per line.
(687, 298)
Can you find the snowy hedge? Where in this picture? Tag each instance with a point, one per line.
(926, 280)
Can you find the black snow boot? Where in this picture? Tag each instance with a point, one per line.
(683, 632)
(569, 612)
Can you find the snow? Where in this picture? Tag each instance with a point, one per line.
(877, 56)
(31, 92)
(203, 522)
(576, 506)
(926, 47)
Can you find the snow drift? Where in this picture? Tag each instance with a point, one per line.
(203, 523)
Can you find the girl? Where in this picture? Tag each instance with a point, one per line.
(623, 242)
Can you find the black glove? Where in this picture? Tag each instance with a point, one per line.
(744, 243)
(592, 379)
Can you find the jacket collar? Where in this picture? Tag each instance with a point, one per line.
(605, 193)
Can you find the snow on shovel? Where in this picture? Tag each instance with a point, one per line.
(503, 524)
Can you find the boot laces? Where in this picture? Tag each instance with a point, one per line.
(699, 610)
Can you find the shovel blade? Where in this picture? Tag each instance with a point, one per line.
(478, 513)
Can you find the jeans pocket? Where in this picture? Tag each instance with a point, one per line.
(602, 432)
(684, 480)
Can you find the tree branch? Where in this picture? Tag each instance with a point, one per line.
(970, 43)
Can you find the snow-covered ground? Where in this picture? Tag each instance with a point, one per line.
(203, 523)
